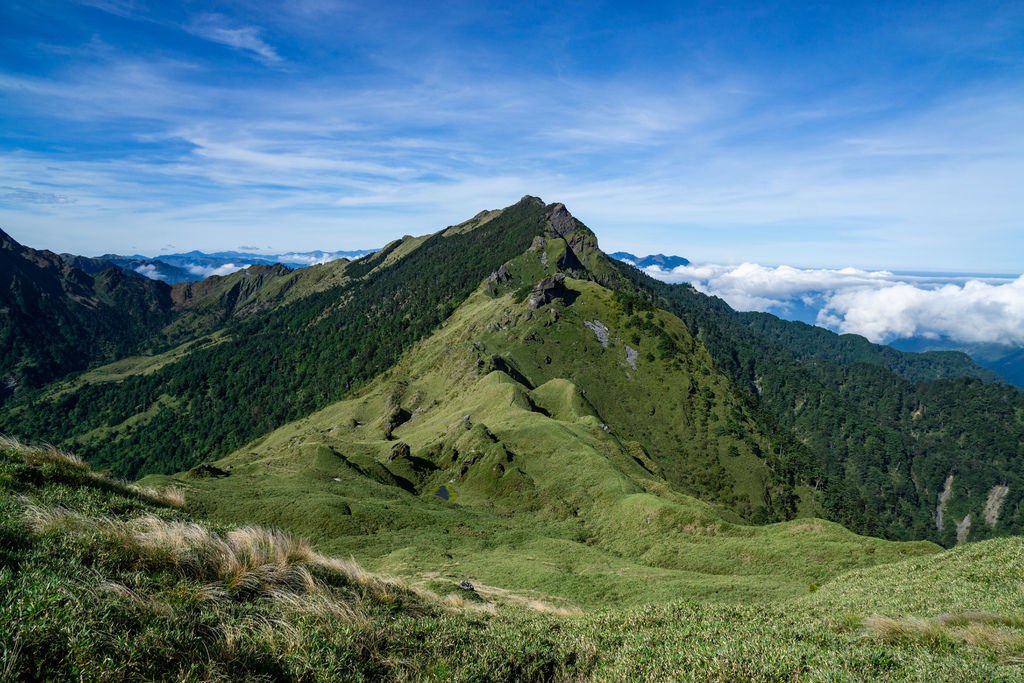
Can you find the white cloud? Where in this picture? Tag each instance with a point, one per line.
(313, 258)
(150, 271)
(973, 312)
(212, 27)
(879, 305)
(207, 271)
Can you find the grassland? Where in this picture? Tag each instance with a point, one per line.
(105, 581)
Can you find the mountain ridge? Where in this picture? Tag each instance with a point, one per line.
(286, 344)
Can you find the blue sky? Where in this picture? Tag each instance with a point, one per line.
(877, 135)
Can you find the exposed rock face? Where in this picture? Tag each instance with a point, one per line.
(600, 330)
(580, 239)
(963, 529)
(631, 356)
(944, 495)
(501, 275)
(994, 504)
(547, 290)
(399, 450)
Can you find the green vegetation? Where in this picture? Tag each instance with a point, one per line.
(57, 319)
(99, 580)
(627, 474)
(765, 420)
(850, 421)
(543, 490)
(281, 364)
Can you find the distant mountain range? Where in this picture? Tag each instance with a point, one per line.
(196, 265)
(660, 260)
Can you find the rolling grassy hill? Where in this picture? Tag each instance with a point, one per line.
(448, 466)
(102, 580)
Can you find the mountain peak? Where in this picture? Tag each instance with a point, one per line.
(8, 243)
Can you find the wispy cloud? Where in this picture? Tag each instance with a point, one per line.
(207, 271)
(149, 270)
(23, 196)
(219, 29)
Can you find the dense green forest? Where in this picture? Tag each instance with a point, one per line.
(882, 445)
(284, 363)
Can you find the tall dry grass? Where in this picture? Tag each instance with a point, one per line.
(980, 629)
(244, 562)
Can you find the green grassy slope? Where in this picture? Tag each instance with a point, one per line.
(102, 581)
(765, 418)
(475, 457)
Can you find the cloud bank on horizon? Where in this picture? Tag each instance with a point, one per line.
(880, 305)
(781, 132)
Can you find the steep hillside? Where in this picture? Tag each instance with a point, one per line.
(808, 342)
(282, 363)
(509, 447)
(151, 268)
(58, 319)
(883, 447)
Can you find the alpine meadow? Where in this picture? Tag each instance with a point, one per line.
(249, 443)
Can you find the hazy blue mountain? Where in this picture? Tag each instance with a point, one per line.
(1006, 361)
(193, 266)
(661, 260)
(154, 269)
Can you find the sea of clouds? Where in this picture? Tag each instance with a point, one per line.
(880, 305)
(207, 271)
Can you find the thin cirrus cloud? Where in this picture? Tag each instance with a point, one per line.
(880, 305)
(218, 29)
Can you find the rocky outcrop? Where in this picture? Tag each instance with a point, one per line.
(582, 242)
(500, 276)
(399, 450)
(631, 356)
(547, 290)
(600, 331)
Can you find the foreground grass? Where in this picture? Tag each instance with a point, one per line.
(103, 581)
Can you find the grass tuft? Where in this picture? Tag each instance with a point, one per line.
(906, 630)
(171, 496)
(983, 630)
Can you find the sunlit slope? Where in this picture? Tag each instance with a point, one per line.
(103, 580)
(283, 361)
(469, 458)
